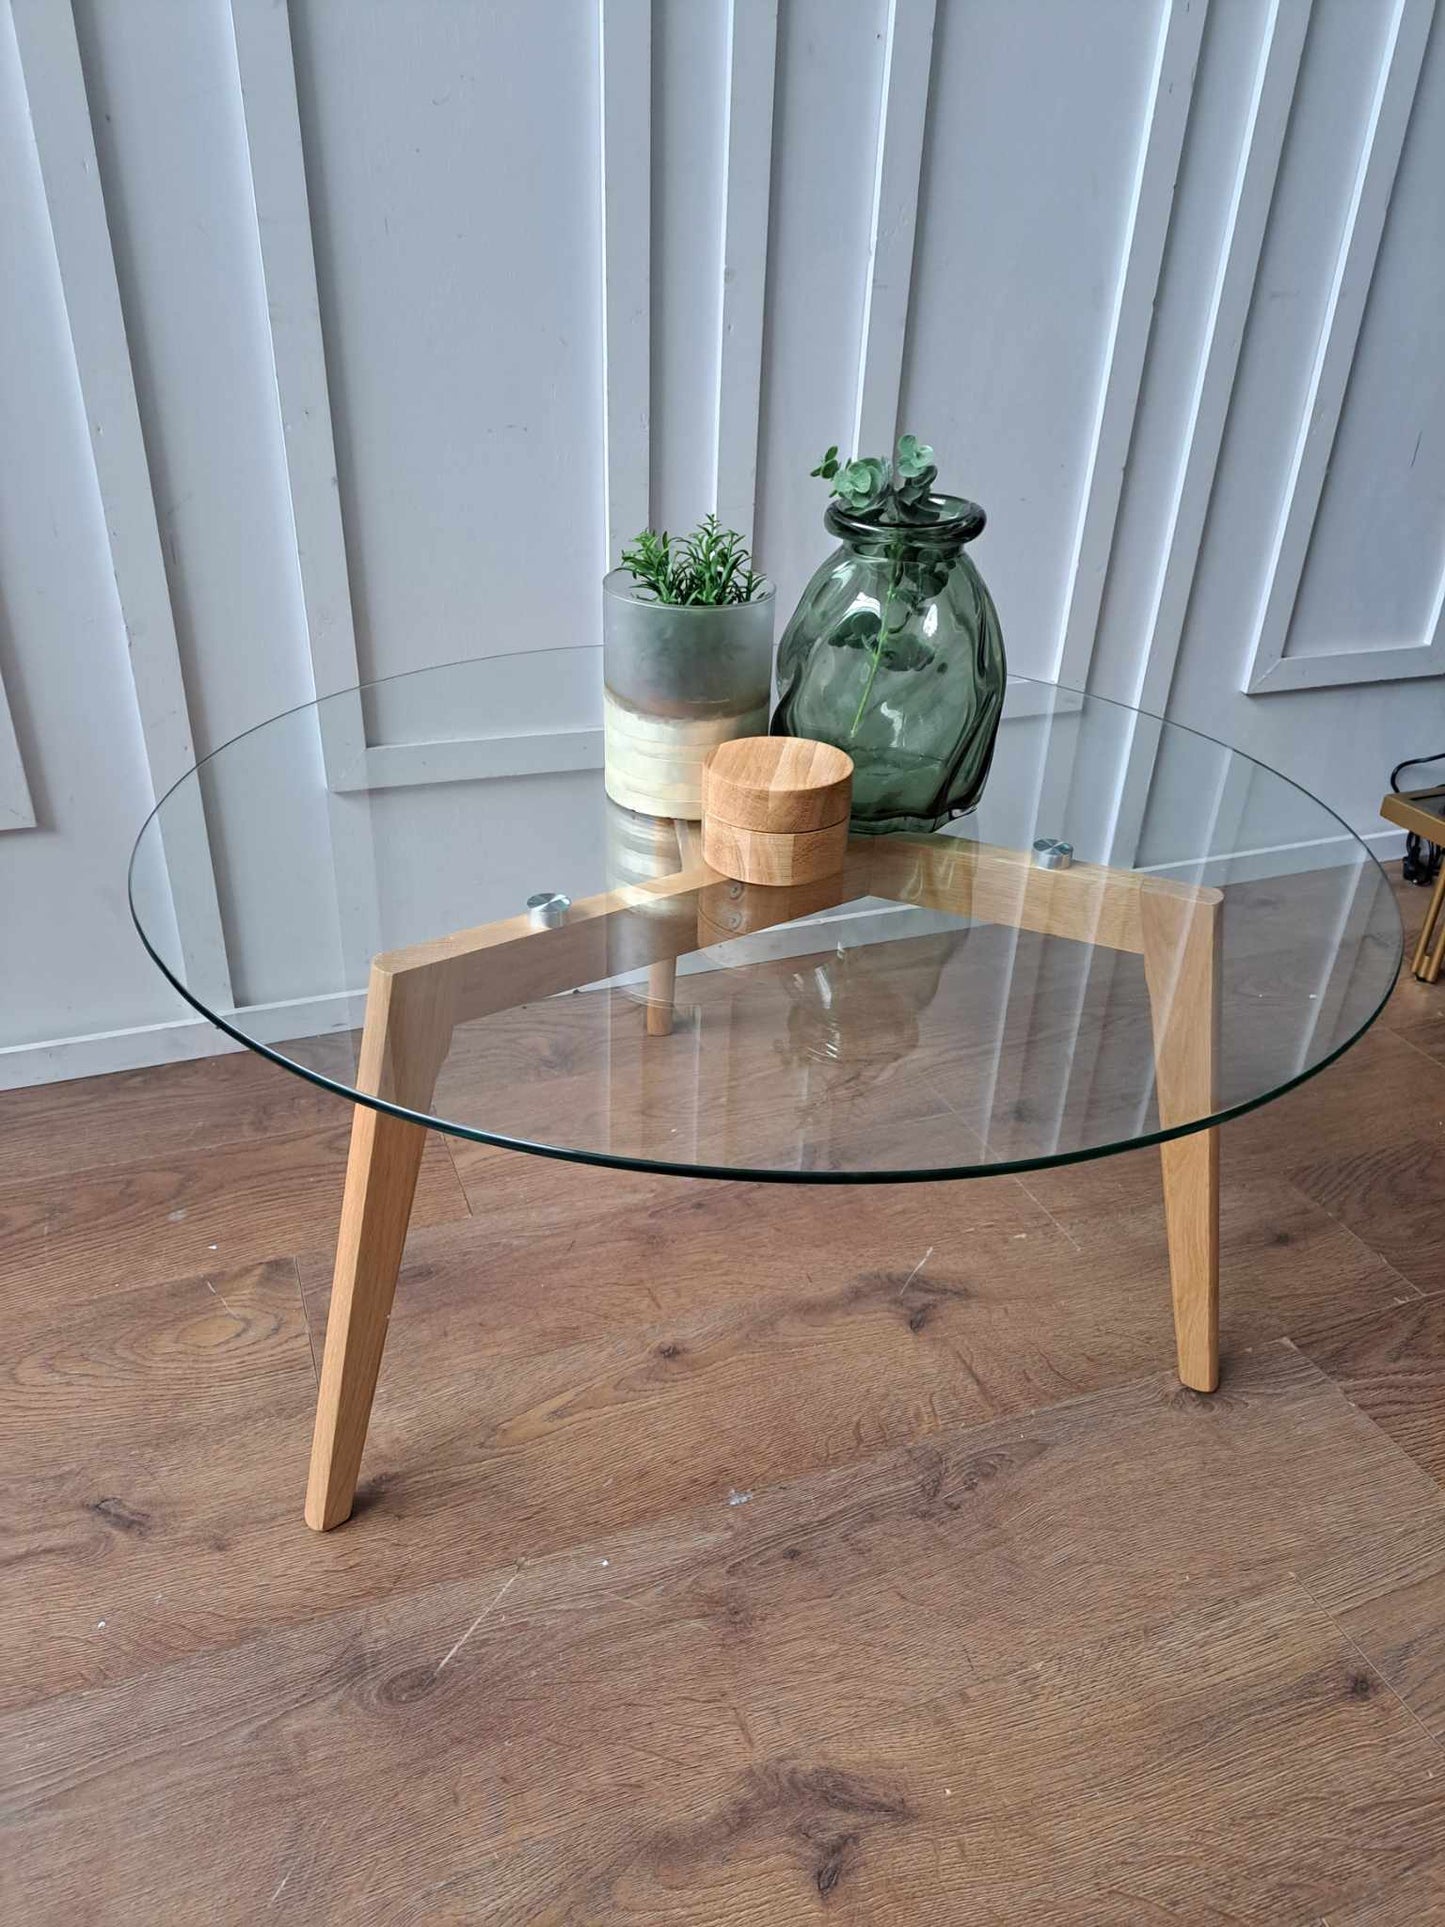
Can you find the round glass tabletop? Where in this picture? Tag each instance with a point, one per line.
(951, 1005)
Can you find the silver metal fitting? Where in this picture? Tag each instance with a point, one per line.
(1050, 853)
(547, 909)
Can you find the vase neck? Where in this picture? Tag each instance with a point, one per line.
(953, 522)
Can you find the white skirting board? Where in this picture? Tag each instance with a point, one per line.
(97, 1053)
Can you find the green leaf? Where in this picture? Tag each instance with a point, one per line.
(913, 494)
(861, 483)
(905, 650)
(710, 566)
(859, 630)
(828, 467)
(913, 456)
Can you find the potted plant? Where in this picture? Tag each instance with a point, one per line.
(895, 653)
(687, 663)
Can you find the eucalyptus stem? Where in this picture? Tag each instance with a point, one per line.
(893, 494)
(895, 580)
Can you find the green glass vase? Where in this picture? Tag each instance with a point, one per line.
(895, 655)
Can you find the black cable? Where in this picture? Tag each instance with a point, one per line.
(1422, 859)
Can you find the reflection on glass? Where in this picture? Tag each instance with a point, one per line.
(857, 1034)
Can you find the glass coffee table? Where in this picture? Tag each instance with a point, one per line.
(426, 903)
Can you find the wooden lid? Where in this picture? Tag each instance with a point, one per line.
(777, 783)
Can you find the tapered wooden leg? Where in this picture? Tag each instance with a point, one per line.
(1191, 1215)
(1181, 965)
(407, 1035)
(662, 976)
(380, 1183)
(661, 990)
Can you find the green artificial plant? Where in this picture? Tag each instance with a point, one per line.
(702, 570)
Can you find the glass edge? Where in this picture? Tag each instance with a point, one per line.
(740, 1174)
(1188, 729)
(588, 648)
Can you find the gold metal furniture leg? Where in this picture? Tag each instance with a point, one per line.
(1420, 811)
(1426, 962)
(1181, 966)
(407, 1035)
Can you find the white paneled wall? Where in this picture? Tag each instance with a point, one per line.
(347, 336)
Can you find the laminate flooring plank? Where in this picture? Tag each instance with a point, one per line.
(155, 1114)
(1391, 1363)
(1029, 1671)
(1388, 1595)
(1389, 1196)
(82, 1234)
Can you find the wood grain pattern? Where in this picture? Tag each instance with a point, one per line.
(1416, 1011)
(1389, 1195)
(1386, 1596)
(153, 1442)
(407, 1035)
(807, 1322)
(88, 1232)
(1418, 1896)
(498, 966)
(416, 998)
(1382, 1094)
(661, 989)
(773, 858)
(1181, 967)
(1429, 952)
(386, 1155)
(1290, 1266)
(730, 1718)
(779, 783)
(727, 1553)
(1392, 1364)
(1086, 902)
(151, 1115)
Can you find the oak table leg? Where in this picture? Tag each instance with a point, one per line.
(662, 976)
(380, 1183)
(661, 991)
(1181, 966)
(405, 1040)
(416, 995)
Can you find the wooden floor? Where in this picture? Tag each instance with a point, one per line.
(721, 1556)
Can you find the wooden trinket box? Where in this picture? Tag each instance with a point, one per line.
(775, 809)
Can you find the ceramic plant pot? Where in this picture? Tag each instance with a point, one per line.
(676, 683)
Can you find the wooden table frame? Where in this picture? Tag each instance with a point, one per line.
(416, 996)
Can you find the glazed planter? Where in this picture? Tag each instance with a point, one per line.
(895, 655)
(677, 681)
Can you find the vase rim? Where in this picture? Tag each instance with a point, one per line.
(957, 520)
(622, 584)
